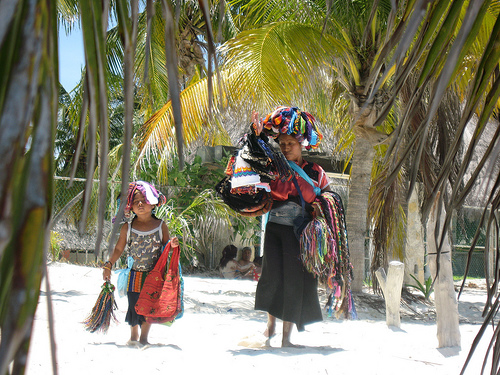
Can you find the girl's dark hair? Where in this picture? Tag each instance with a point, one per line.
(228, 254)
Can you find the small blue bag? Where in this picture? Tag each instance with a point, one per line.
(122, 283)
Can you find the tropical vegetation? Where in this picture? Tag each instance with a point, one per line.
(390, 74)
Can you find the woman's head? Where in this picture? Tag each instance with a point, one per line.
(228, 253)
(291, 148)
(246, 253)
(291, 121)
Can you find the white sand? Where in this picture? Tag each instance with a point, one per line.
(221, 333)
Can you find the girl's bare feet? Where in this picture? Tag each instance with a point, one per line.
(134, 334)
(145, 327)
(288, 344)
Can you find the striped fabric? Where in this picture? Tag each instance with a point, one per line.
(135, 281)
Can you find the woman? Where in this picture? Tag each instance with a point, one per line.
(229, 267)
(246, 263)
(285, 290)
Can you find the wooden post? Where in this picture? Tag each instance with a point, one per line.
(391, 287)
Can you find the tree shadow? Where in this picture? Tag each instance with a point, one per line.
(450, 351)
(396, 329)
(286, 352)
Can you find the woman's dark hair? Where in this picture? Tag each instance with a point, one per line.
(228, 254)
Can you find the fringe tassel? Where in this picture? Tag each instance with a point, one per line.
(102, 313)
(325, 253)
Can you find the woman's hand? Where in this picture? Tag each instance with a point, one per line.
(175, 242)
(316, 211)
(257, 124)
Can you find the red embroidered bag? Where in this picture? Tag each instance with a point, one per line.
(160, 300)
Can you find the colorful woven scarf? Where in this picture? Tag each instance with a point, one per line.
(292, 121)
(152, 196)
(325, 253)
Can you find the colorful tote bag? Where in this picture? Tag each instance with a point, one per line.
(160, 300)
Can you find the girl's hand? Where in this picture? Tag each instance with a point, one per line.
(175, 242)
(106, 271)
(316, 211)
(106, 274)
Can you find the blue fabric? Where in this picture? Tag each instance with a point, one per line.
(122, 283)
(300, 171)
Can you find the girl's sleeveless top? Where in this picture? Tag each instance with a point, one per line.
(145, 247)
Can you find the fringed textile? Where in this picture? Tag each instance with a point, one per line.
(246, 186)
(102, 313)
(325, 253)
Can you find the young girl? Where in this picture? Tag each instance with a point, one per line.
(145, 236)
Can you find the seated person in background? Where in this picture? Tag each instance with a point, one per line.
(246, 264)
(229, 267)
(258, 268)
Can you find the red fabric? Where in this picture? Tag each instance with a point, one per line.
(160, 298)
(280, 191)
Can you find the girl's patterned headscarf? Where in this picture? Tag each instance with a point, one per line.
(152, 196)
(292, 121)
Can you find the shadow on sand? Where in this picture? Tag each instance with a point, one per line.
(137, 345)
(322, 350)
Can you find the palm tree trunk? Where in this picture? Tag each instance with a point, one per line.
(357, 208)
(448, 332)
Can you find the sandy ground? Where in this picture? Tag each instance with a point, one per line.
(221, 333)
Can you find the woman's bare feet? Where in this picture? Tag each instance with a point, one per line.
(271, 326)
(288, 344)
(287, 332)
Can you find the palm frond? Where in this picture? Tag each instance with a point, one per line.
(28, 116)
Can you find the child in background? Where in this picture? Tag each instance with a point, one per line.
(145, 237)
(258, 268)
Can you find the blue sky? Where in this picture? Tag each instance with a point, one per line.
(71, 58)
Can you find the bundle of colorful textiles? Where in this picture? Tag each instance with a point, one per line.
(268, 163)
(102, 313)
(246, 186)
(292, 121)
(325, 253)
